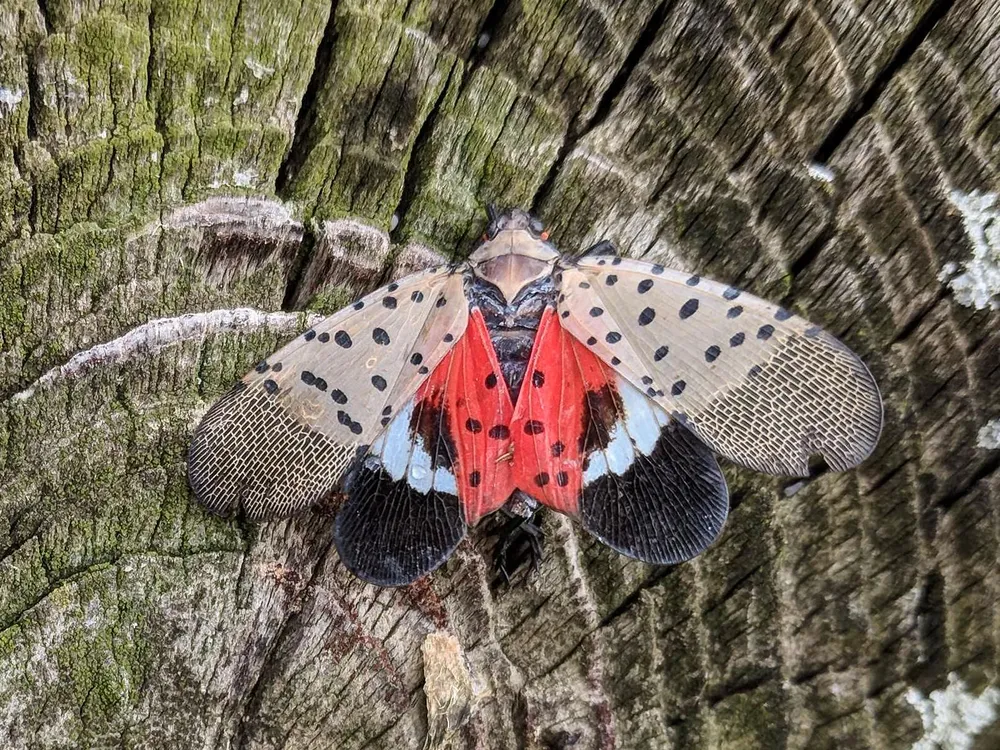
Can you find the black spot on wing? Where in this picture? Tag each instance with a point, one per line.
(666, 508)
(347, 421)
(389, 533)
(533, 427)
(688, 309)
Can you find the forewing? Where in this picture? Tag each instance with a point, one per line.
(434, 471)
(758, 385)
(285, 434)
(589, 444)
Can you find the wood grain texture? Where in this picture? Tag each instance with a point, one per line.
(160, 158)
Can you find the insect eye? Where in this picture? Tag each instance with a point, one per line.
(544, 236)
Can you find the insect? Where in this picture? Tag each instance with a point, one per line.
(598, 386)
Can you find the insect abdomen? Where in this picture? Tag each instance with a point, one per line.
(513, 327)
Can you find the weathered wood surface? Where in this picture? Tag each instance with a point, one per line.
(834, 155)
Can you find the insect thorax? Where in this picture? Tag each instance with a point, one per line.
(512, 326)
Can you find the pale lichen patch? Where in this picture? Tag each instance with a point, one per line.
(989, 435)
(952, 717)
(259, 70)
(244, 178)
(820, 172)
(978, 284)
(9, 98)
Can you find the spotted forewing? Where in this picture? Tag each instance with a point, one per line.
(285, 435)
(757, 384)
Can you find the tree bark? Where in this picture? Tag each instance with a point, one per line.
(183, 183)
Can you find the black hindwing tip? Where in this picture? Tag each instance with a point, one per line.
(389, 533)
(666, 508)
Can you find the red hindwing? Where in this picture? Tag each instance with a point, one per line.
(554, 414)
(468, 387)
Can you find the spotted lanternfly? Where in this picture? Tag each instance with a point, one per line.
(596, 385)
